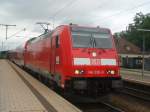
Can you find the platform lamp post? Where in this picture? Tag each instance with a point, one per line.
(143, 49)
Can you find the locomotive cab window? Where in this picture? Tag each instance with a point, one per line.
(57, 41)
(91, 38)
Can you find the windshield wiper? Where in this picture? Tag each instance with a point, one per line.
(91, 43)
(94, 43)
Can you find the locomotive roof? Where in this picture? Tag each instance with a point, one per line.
(34, 39)
(91, 29)
(73, 28)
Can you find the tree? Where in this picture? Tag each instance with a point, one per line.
(140, 21)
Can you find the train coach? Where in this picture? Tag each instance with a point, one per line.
(73, 57)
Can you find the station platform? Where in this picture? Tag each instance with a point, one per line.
(19, 92)
(135, 75)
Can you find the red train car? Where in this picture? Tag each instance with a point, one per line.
(18, 55)
(75, 57)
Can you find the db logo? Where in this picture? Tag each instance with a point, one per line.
(95, 61)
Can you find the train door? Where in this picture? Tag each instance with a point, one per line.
(54, 46)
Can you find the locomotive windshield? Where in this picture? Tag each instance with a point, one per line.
(91, 39)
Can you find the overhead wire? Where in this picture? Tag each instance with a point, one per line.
(123, 11)
(62, 8)
(104, 19)
(100, 5)
(16, 33)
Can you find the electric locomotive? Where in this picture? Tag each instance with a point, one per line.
(76, 58)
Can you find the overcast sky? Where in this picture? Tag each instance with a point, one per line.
(114, 14)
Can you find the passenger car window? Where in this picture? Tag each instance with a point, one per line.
(57, 41)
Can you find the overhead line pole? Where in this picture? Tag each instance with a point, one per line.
(6, 25)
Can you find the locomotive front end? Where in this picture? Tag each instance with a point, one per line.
(95, 64)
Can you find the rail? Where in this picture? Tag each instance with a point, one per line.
(98, 107)
(137, 90)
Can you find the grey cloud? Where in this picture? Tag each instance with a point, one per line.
(88, 12)
(25, 13)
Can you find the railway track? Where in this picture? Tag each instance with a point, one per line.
(98, 107)
(134, 90)
(137, 90)
(85, 106)
(140, 94)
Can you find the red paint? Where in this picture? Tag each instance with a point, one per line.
(41, 54)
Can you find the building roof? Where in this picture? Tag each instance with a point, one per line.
(125, 47)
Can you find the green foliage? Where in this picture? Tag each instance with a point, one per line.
(140, 21)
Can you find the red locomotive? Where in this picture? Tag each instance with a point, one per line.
(74, 57)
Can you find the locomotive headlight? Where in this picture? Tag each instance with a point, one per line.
(94, 54)
(112, 72)
(77, 72)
